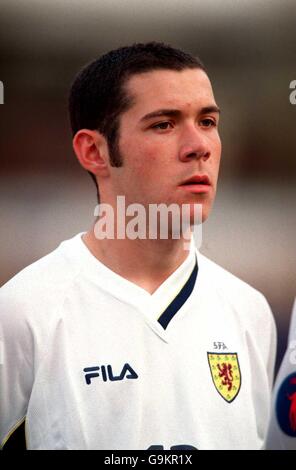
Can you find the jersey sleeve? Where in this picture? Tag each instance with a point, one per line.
(262, 339)
(16, 362)
(271, 356)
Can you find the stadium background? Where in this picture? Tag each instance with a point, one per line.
(249, 49)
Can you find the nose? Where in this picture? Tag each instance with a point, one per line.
(194, 145)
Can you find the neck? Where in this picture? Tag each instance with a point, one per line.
(145, 262)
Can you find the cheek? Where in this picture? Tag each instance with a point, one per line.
(219, 143)
(146, 161)
(215, 141)
(216, 153)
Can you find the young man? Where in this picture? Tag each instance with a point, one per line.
(134, 343)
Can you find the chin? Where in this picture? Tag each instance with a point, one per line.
(206, 213)
(199, 213)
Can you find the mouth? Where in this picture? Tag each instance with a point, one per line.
(197, 184)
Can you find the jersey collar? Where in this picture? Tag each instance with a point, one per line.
(160, 307)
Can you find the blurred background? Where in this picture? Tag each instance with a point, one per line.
(249, 49)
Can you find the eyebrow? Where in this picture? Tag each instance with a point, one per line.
(177, 112)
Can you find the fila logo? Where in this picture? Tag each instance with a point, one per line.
(106, 373)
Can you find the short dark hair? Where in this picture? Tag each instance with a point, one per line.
(98, 98)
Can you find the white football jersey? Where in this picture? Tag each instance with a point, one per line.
(90, 360)
(282, 428)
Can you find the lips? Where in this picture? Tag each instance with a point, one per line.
(197, 179)
(197, 184)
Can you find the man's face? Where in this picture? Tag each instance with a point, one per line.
(168, 136)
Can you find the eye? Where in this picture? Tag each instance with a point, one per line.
(208, 122)
(162, 125)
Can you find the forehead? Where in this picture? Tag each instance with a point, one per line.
(170, 88)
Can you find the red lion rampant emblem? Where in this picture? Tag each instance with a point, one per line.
(226, 375)
(226, 372)
(292, 412)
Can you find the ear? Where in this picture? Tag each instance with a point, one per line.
(91, 150)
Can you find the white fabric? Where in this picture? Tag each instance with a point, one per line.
(282, 435)
(68, 312)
